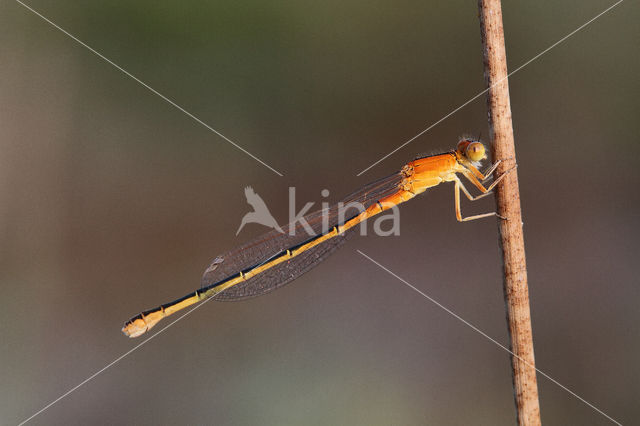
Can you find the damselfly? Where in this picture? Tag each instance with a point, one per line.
(277, 258)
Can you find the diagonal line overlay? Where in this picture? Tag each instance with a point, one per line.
(280, 174)
(103, 369)
(490, 87)
(485, 335)
(145, 85)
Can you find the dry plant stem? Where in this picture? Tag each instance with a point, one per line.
(516, 292)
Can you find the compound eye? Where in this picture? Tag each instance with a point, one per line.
(475, 151)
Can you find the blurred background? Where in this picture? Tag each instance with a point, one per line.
(112, 201)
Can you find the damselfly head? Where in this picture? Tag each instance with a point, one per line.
(472, 149)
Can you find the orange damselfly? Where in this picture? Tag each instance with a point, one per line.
(277, 258)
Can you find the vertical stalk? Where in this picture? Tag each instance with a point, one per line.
(516, 292)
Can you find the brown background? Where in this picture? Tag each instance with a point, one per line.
(112, 201)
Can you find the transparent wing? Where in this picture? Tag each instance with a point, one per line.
(265, 247)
